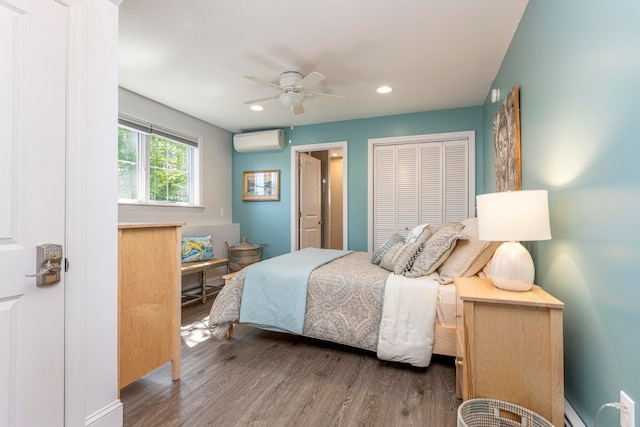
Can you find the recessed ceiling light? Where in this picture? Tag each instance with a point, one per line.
(257, 107)
(384, 89)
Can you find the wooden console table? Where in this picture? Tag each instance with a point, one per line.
(148, 299)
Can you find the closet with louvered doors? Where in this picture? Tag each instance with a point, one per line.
(420, 182)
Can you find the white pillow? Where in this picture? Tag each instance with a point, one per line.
(415, 233)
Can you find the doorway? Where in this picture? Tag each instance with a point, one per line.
(326, 187)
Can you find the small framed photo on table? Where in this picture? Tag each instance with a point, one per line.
(261, 186)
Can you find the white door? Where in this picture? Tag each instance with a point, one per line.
(310, 202)
(33, 91)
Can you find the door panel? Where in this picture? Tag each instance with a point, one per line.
(384, 194)
(33, 46)
(310, 202)
(336, 204)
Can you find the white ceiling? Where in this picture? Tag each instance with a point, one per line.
(191, 55)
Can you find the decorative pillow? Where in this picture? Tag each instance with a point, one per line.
(392, 240)
(198, 248)
(485, 273)
(416, 232)
(469, 256)
(390, 256)
(410, 251)
(437, 249)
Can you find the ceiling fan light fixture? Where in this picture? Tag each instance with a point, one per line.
(293, 87)
(384, 90)
(256, 108)
(291, 99)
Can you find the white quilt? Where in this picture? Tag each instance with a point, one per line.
(408, 319)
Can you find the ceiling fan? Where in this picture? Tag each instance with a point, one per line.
(292, 86)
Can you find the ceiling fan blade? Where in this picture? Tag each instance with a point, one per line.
(262, 81)
(299, 109)
(255, 101)
(322, 95)
(313, 78)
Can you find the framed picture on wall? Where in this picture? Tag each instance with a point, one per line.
(506, 139)
(261, 186)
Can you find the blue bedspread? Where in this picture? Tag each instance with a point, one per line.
(275, 290)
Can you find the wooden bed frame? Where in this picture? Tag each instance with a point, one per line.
(444, 339)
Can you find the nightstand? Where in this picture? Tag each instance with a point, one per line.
(509, 347)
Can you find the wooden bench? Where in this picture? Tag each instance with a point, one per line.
(188, 296)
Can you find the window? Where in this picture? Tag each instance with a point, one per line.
(156, 165)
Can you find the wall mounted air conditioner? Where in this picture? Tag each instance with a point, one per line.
(265, 140)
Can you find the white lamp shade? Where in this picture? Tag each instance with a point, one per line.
(510, 217)
(513, 216)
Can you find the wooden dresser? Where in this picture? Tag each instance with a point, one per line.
(148, 299)
(510, 347)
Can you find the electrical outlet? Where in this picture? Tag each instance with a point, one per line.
(628, 413)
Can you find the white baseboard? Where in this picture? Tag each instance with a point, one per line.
(571, 418)
(109, 416)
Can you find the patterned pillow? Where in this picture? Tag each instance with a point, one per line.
(410, 251)
(407, 256)
(389, 257)
(437, 249)
(198, 248)
(392, 240)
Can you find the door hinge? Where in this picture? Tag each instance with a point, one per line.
(66, 265)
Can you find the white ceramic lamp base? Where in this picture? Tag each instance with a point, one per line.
(512, 267)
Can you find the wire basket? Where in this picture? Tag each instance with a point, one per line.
(497, 413)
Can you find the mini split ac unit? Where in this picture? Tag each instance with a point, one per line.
(265, 140)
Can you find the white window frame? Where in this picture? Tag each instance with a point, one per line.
(145, 129)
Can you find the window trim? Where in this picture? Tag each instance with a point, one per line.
(147, 127)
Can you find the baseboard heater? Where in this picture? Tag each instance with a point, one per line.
(571, 418)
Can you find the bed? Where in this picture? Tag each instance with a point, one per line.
(397, 302)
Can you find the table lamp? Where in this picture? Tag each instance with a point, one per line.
(511, 217)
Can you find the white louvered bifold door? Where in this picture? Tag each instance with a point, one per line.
(384, 193)
(456, 180)
(407, 164)
(431, 183)
(419, 183)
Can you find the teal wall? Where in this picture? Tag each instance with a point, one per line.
(270, 222)
(578, 68)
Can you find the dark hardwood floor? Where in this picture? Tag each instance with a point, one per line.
(262, 378)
